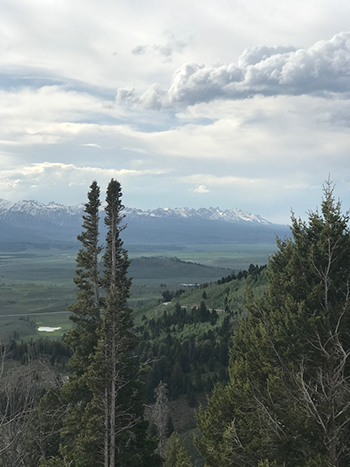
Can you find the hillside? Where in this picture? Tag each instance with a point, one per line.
(186, 343)
(193, 332)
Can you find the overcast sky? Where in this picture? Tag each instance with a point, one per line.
(228, 103)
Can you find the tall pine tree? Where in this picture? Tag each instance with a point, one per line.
(104, 423)
(83, 337)
(86, 312)
(126, 443)
(112, 376)
(288, 398)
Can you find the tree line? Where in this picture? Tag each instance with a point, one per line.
(284, 399)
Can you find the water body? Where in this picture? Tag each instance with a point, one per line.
(48, 329)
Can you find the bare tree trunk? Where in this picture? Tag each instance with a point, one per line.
(96, 281)
(113, 398)
(106, 424)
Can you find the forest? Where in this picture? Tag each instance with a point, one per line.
(250, 370)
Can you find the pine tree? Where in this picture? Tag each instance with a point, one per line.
(83, 337)
(288, 398)
(86, 312)
(175, 453)
(113, 372)
(104, 423)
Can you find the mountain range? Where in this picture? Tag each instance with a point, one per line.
(32, 222)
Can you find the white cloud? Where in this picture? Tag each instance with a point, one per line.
(201, 189)
(322, 69)
(166, 50)
(91, 145)
(233, 113)
(223, 181)
(16, 181)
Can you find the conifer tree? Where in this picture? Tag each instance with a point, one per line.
(288, 398)
(113, 372)
(86, 312)
(104, 423)
(84, 336)
(175, 453)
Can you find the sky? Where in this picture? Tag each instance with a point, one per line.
(224, 103)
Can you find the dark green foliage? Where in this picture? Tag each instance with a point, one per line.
(27, 351)
(252, 270)
(115, 413)
(175, 453)
(103, 423)
(86, 312)
(169, 427)
(164, 349)
(168, 296)
(52, 462)
(175, 360)
(83, 337)
(288, 398)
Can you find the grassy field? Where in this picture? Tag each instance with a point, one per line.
(233, 257)
(36, 286)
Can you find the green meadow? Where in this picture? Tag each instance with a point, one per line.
(229, 256)
(36, 286)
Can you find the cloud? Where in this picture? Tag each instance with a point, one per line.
(223, 181)
(201, 189)
(139, 50)
(167, 50)
(91, 145)
(52, 176)
(58, 168)
(258, 53)
(320, 70)
(32, 116)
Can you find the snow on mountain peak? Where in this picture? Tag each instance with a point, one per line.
(230, 215)
(54, 210)
(38, 209)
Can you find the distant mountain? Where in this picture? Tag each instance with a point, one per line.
(30, 221)
(57, 213)
(232, 215)
(33, 222)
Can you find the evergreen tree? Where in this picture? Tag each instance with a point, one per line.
(288, 398)
(86, 312)
(112, 375)
(175, 453)
(104, 423)
(84, 336)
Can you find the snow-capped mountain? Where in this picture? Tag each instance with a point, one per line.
(30, 221)
(232, 215)
(56, 211)
(37, 209)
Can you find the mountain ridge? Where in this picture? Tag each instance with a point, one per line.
(36, 208)
(31, 221)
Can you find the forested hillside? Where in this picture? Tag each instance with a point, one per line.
(268, 346)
